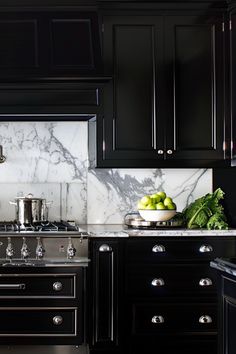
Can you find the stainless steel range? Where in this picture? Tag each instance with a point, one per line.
(42, 287)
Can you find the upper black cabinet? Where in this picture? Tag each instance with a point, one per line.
(49, 44)
(165, 104)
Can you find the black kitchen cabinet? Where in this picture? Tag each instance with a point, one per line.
(164, 294)
(106, 286)
(227, 303)
(48, 44)
(165, 104)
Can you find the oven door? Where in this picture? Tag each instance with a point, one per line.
(42, 305)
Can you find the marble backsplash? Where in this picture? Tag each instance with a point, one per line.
(50, 159)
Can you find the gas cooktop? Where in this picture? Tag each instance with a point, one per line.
(40, 227)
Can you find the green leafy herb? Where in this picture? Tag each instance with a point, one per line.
(206, 212)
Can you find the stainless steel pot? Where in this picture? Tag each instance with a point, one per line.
(30, 209)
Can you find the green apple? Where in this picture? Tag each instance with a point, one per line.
(155, 198)
(140, 205)
(146, 200)
(150, 207)
(168, 201)
(160, 206)
(171, 206)
(161, 194)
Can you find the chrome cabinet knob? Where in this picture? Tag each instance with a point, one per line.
(158, 248)
(205, 282)
(205, 248)
(160, 152)
(205, 319)
(57, 320)
(157, 319)
(105, 248)
(57, 286)
(158, 282)
(169, 152)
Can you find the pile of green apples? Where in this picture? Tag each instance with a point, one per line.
(157, 201)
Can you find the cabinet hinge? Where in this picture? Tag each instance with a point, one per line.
(102, 27)
(230, 25)
(223, 26)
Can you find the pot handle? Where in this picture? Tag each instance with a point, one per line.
(49, 203)
(12, 203)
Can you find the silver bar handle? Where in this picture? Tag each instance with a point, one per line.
(12, 286)
(157, 319)
(158, 282)
(158, 248)
(205, 282)
(205, 248)
(105, 248)
(205, 319)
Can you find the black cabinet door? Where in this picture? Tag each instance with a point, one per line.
(164, 107)
(194, 67)
(104, 295)
(132, 129)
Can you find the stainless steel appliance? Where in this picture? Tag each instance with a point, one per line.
(43, 270)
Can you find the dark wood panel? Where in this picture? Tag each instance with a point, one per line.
(194, 58)
(72, 43)
(19, 43)
(133, 54)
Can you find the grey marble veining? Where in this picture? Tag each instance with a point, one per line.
(42, 152)
(114, 192)
(50, 159)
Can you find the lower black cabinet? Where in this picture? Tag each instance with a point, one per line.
(162, 304)
(105, 288)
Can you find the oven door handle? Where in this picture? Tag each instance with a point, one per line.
(12, 286)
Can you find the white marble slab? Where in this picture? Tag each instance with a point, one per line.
(114, 192)
(40, 152)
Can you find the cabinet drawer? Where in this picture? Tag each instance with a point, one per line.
(164, 250)
(177, 319)
(38, 321)
(38, 285)
(170, 279)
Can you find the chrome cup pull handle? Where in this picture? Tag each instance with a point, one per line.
(205, 248)
(105, 248)
(158, 248)
(205, 282)
(158, 282)
(157, 319)
(205, 319)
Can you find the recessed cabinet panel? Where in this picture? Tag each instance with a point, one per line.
(133, 54)
(18, 43)
(194, 68)
(134, 70)
(72, 43)
(195, 88)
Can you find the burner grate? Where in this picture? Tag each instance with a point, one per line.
(47, 226)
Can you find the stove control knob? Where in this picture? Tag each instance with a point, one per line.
(57, 286)
(57, 320)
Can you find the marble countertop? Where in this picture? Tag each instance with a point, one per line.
(227, 265)
(106, 230)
